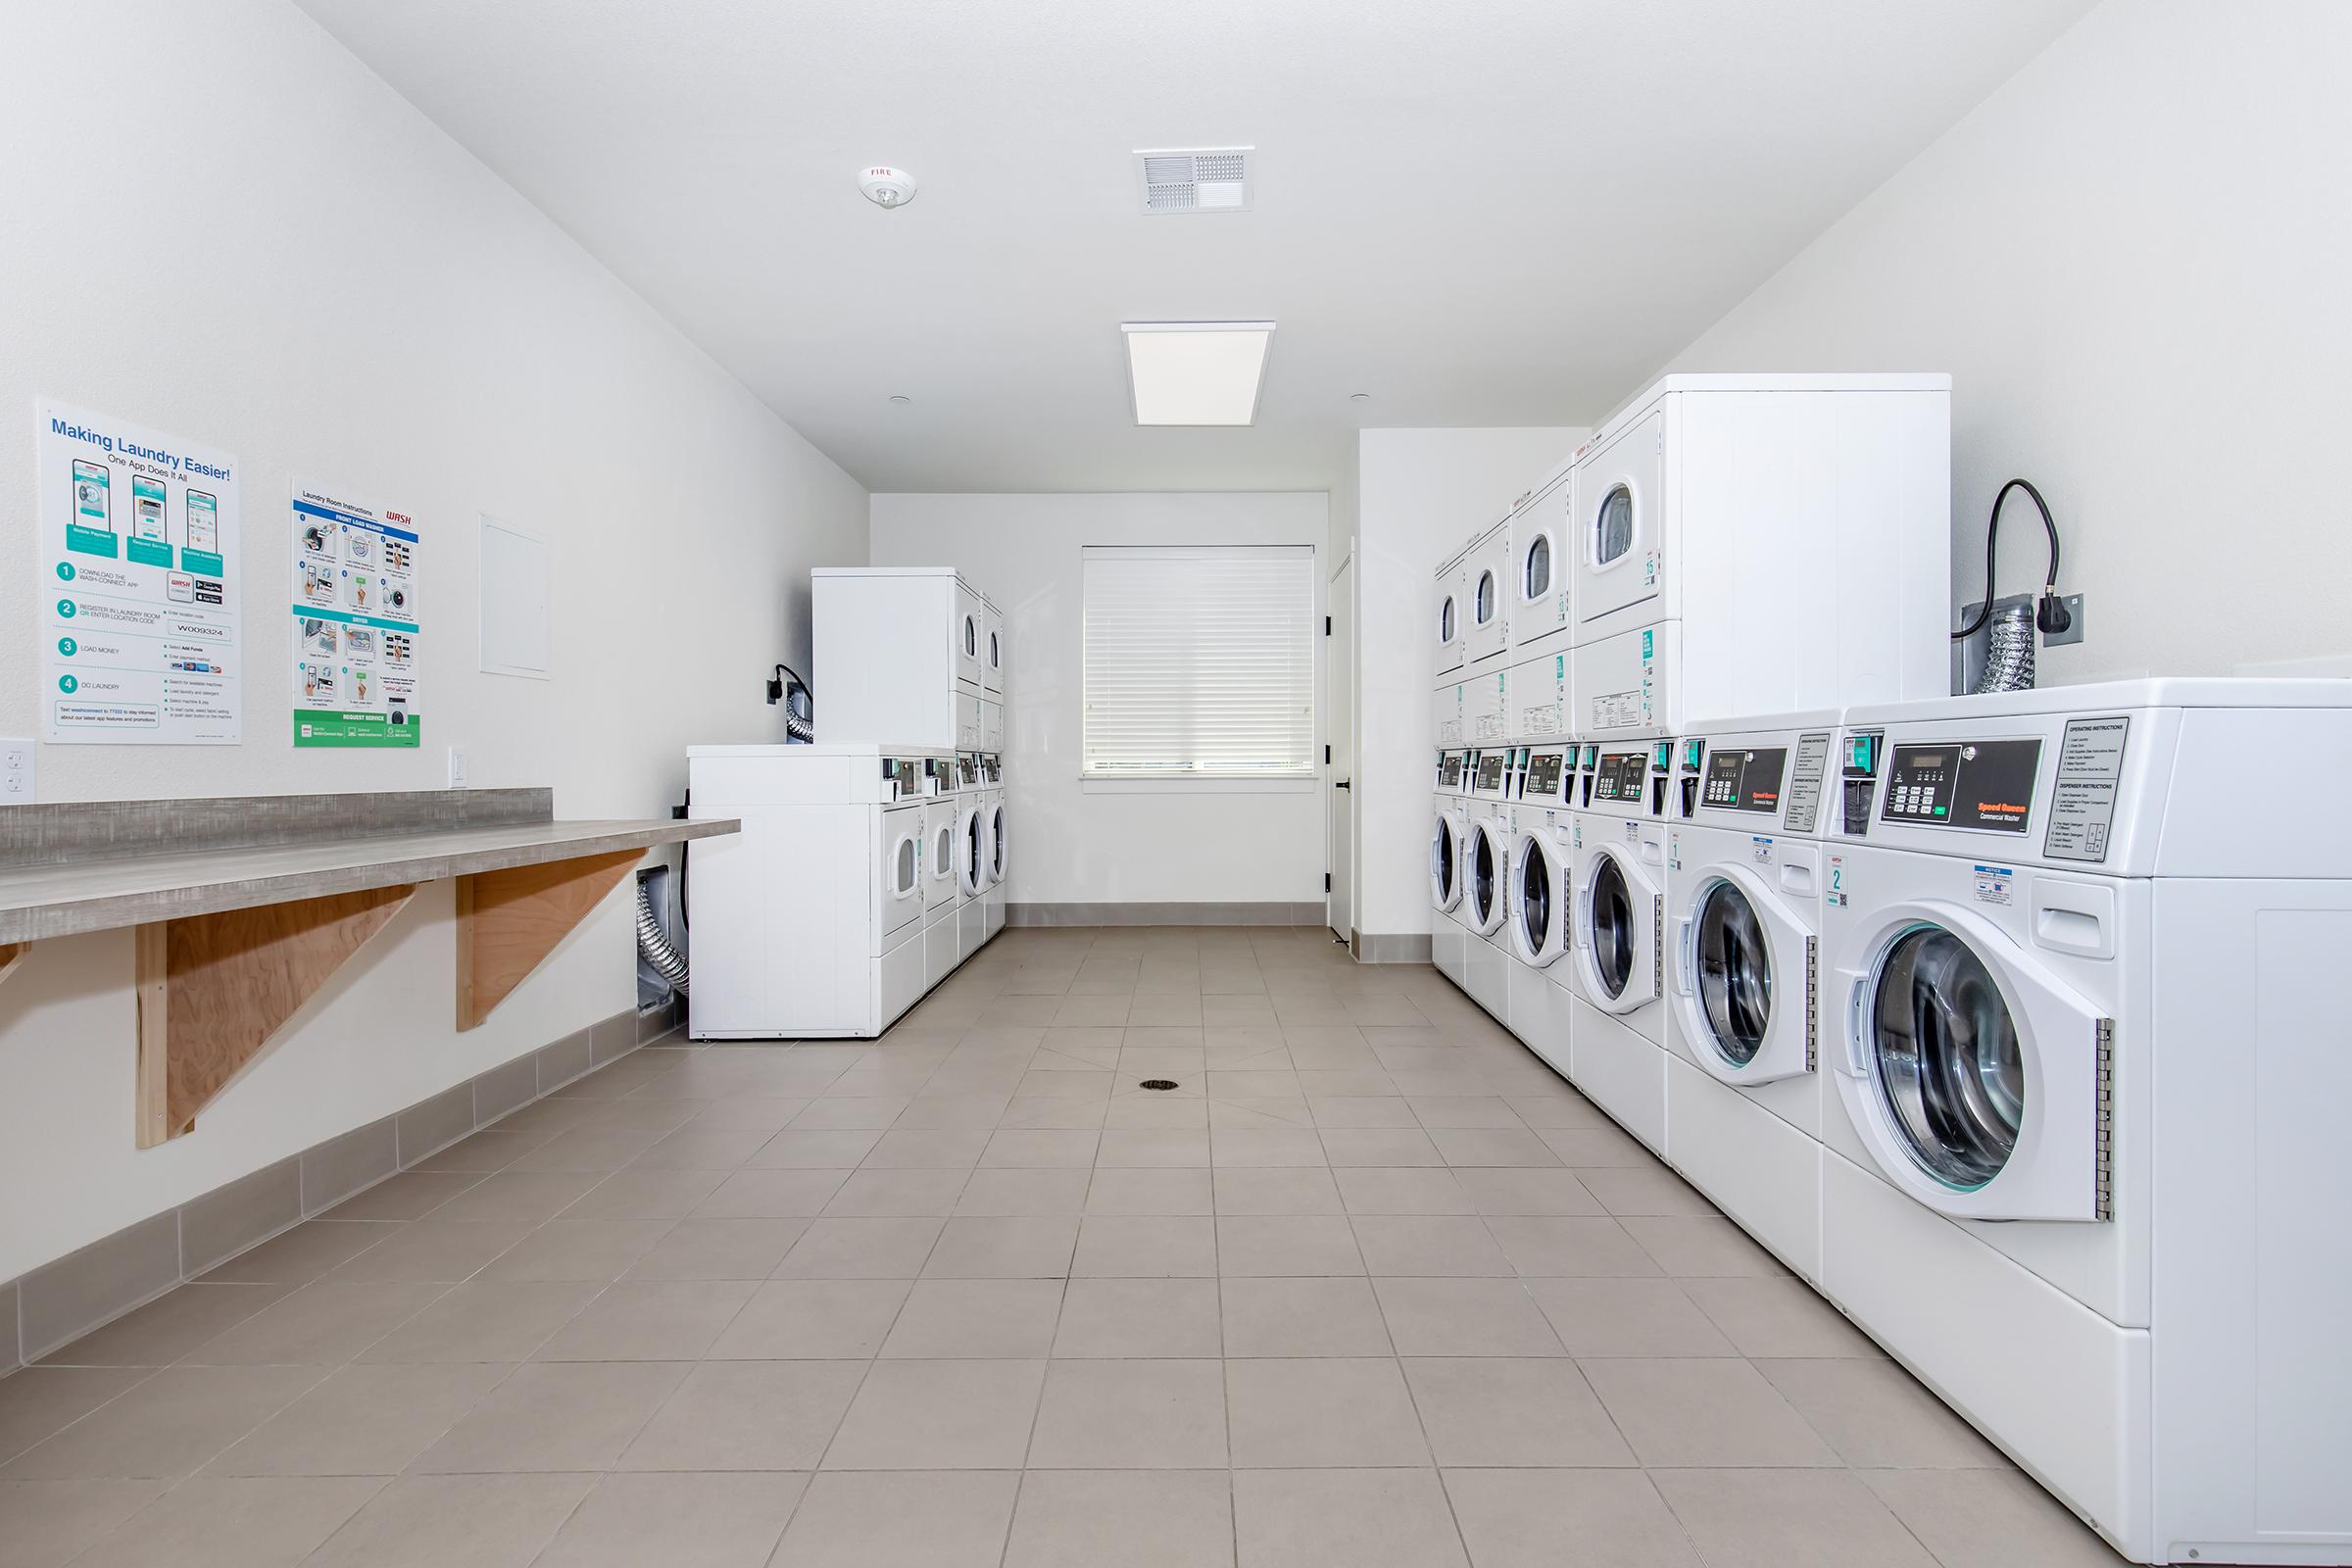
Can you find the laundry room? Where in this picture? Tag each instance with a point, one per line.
(1204, 786)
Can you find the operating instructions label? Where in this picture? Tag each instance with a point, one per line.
(355, 648)
(2090, 769)
(137, 558)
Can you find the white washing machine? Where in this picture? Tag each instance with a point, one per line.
(1536, 1008)
(1762, 545)
(2084, 1172)
(1449, 826)
(811, 921)
(972, 850)
(1486, 876)
(1743, 879)
(942, 890)
(1542, 532)
(1618, 847)
(993, 844)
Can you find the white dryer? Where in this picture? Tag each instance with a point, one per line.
(1762, 543)
(1543, 529)
(1743, 879)
(1449, 826)
(1486, 881)
(1487, 603)
(2083, 998)
(994, 835)
(1618, 839)
(1542, 898)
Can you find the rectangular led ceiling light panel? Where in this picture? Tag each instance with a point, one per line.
(1197, 373)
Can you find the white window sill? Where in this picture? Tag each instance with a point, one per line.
(1177, 784)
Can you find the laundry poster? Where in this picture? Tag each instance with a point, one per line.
(135, 584)
(355, 632)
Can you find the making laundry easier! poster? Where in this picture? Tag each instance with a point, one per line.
(355, 622)
(137, 578)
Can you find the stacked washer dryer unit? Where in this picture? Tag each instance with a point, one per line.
(1742, 544)
(1743, 883)
(2084, 1167)
(1486, 876)
(812, 920)
(910, 668)
(1538, 721)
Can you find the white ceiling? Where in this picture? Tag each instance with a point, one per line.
(1490, 211)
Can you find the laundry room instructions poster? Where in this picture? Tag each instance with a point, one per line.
(137, 584)
(355, 653)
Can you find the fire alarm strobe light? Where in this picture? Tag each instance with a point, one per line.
(885, 186)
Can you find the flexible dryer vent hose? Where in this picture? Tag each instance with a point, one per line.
(656, 948)
(2009, 655)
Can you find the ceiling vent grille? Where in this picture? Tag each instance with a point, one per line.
(1196, 179)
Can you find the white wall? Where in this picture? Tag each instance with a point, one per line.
(2132, 259)
(1204, 843)
(215, 221)
(1420, 494)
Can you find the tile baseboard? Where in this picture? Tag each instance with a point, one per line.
(61, 1300)
(1080, 915)
(1392, 947)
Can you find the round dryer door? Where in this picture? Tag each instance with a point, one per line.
(1947, 1060)
(1445, 865)
(1538, 900)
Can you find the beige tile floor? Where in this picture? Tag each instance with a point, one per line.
(1371, 1288)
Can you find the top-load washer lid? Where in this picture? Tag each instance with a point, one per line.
(1445, 863)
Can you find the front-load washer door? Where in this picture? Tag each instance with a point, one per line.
(1620, 494)
(995, 843)
(1619, 909)
(1539, 908)
(971, 850)
(1744, 979)
(1444, 863)
(1970, 1071)
(1486, 874)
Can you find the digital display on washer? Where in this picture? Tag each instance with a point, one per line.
(1986, 785)
(1743, 780)
(1621, 776)
(1490, 770)
(1543, 775)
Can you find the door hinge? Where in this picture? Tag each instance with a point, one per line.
(1326, 757)
(1326, 625)
(1327, 881)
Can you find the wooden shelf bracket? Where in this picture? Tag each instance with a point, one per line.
(214, 991)
(508, 921)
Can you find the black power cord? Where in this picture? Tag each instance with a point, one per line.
(2050, 613)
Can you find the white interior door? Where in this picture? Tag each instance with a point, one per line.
(1339, 730)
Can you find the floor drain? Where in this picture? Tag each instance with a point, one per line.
(1159, 1083)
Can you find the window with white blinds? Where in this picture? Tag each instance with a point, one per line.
(1199, 663)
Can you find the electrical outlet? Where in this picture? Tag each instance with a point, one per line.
(16, 772)
(457, 768)
(2073, 633)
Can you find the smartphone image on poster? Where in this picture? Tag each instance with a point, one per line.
(203, 522)
(146, 507)
(93, 496)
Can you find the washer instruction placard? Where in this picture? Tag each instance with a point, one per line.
(137, 577)
(355, 632)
